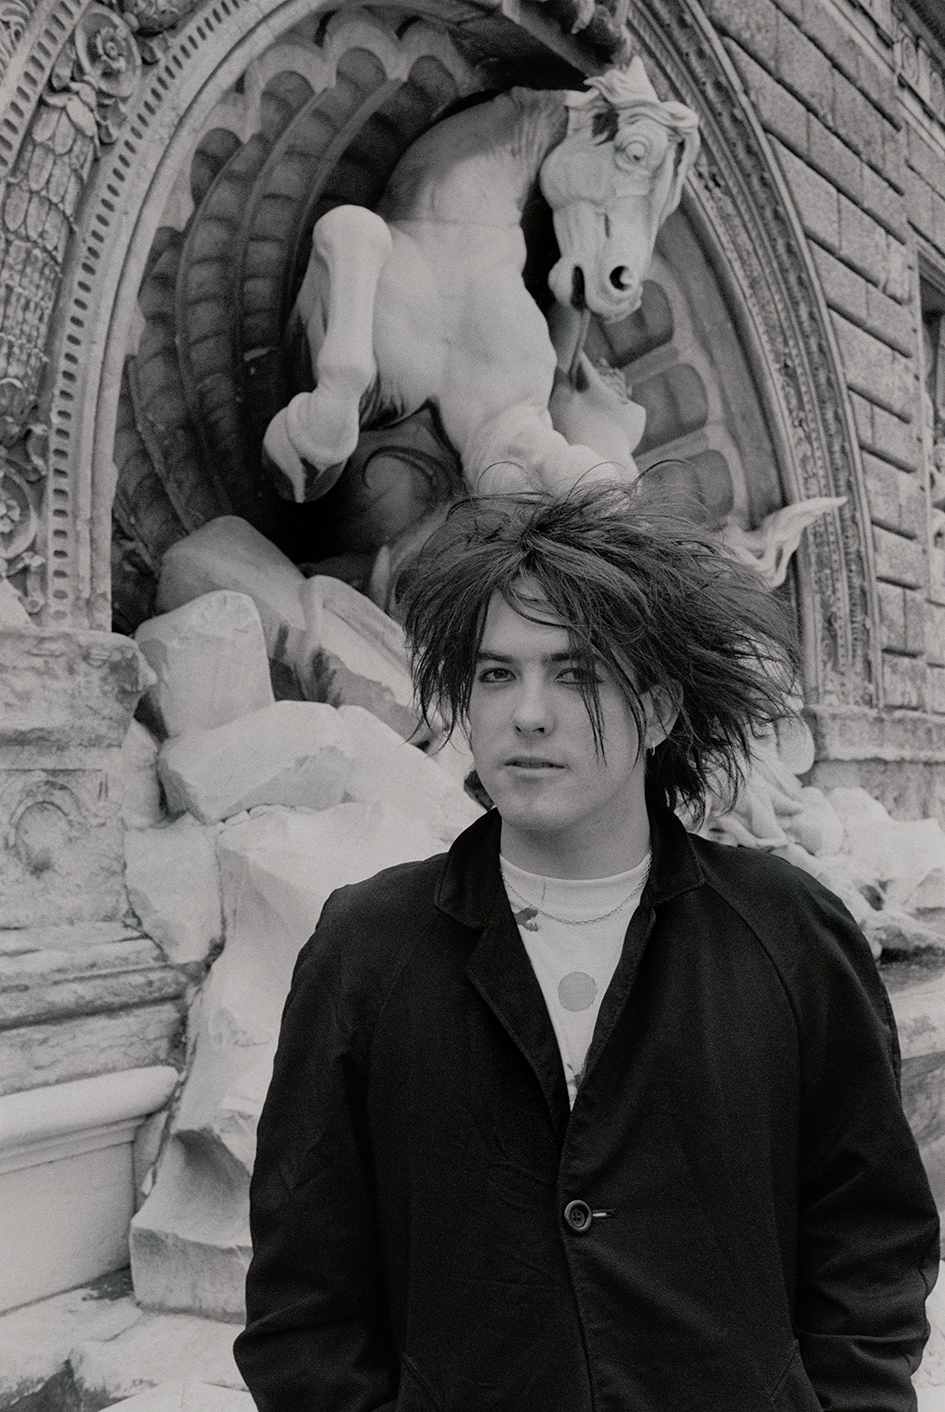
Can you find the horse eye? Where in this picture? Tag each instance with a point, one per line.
(637, 151)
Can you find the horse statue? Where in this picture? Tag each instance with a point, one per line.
(423, 302)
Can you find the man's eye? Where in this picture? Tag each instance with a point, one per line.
(578, 676)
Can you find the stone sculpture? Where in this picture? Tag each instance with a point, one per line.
(424, 300)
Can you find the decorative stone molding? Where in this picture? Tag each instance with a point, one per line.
(745, 211)
(65, 704)
(919, 64)
(66, 1178)
(14, 17)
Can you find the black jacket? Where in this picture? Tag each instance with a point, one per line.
(762, 1234)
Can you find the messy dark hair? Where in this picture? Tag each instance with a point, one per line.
(653, 597)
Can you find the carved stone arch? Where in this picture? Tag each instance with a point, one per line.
(212, 82)
(740, 206)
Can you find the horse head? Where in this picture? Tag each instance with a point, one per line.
(611, 182)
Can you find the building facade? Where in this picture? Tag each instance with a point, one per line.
(162, 163)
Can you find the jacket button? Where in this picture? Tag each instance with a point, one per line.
(578, 1215)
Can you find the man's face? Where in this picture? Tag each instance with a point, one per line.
(566, 808)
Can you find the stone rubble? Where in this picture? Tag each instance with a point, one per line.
(291, 752)
(229, 553)
(140, 786)
(173, 882)
(353, 654)
(210, 660)
(190, 1240)
(388, 770)
(884, 870)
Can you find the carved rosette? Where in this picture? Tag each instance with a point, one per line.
(96, 74)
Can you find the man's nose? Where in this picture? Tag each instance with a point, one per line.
(532, 714)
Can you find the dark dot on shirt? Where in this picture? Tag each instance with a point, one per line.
(577, 990)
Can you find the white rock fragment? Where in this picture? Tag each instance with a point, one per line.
(354, 654)
(141, 788)
(210, 660)
(173, 882)
(902, 854)
(229, 553)
(190, 1240)
(292, 752)
(387, 770)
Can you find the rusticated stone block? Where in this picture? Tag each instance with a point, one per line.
(802, 67)
(816, 199)
(876, 370)
(895, 439)
(904, 679)
(862, 241)
(835, 160)
(780, 112)
(754, 26)
(899, 559)
(896, 498)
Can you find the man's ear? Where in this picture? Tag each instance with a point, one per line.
(661, 705)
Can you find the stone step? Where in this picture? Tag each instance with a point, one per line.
(200, 1397)
(96, 1347)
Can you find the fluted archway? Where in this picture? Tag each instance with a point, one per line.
(229, 157)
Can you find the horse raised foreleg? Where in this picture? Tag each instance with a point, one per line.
(312, 438)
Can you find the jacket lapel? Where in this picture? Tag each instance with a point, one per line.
(471, 892)
(500, 970)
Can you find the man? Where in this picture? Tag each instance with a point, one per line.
(588, 1114)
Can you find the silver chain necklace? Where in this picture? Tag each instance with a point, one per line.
(578, 921)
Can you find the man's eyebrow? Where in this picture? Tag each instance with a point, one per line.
(484, 655)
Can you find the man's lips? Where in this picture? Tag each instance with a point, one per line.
(523, 762)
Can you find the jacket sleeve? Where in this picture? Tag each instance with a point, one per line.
(868, 1236)
(317, 1337)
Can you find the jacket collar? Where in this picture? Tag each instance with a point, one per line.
(471, 892)
(471, 883)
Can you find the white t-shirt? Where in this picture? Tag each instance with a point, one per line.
(574, 946)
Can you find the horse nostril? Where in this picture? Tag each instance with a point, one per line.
(620, 277)
(578, 299)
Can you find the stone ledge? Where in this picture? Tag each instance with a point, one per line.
(68, 689)
(61, 1110)
(863, 733)
(58, 973)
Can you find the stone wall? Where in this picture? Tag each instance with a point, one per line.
(847, 95)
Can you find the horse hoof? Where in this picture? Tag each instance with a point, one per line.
(294, 477)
